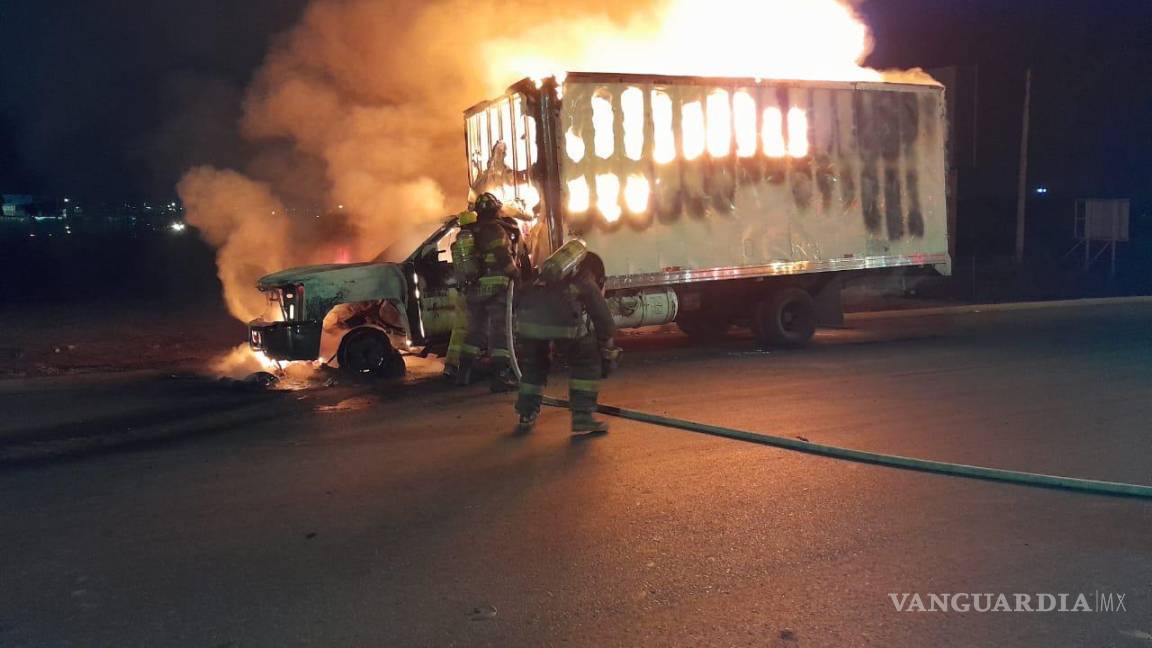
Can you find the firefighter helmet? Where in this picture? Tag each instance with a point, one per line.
(487, 205)
(466, 217)
(564, 262)
(593, 265)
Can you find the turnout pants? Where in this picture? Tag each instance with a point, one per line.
(459, 332)
(488, 322)
(535, 361)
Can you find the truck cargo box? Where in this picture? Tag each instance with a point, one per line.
(676, 180)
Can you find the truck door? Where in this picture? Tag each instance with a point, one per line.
(433, 291)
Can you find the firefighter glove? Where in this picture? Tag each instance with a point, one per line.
(610, 355)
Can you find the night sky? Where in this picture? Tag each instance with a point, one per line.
(116, 99)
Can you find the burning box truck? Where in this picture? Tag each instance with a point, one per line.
(713, 202)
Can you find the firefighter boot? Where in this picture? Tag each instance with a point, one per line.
(464, 370)
(528, 405)
(527, 422)
(585, 423)
(502, 379)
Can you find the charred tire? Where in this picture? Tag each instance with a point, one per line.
(787, 318)
(369, 352)
(702, 328)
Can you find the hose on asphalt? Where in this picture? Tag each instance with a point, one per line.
(1116, 489)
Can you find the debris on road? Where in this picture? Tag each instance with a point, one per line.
(483, 613)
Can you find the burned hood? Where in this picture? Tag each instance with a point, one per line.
(326, 286)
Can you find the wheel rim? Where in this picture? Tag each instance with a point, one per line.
(365, 354)
(789, 316)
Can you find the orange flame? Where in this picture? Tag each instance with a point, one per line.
(766, 39)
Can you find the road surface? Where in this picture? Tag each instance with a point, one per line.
(409, 515)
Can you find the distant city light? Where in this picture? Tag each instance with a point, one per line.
(178, 226)
(1041, 190)
(339, 206)
(67, 200)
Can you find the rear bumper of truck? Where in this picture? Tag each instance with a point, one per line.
(285, 341)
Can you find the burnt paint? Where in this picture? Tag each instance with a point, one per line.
(890, 114)
(868, 141)
(800, 171)
(893, 213)
(886, 128)
(915, 211)
(910, 124)
(847, 170)
(825, 179)
(720, 184)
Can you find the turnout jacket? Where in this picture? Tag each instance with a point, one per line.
(567, 310)
(493, 250)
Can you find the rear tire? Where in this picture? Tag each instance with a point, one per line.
(703, 328)
(369, 352)
(787, 318)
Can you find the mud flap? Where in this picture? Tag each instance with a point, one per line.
(829, 304)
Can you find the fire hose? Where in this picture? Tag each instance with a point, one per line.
(509, 314)
(1116, 489)
(1037, 480)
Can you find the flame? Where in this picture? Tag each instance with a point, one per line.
(579, 195)
(797, 133)
(692, 129)
(574, 145)
(636, 194)
(664, 144)
(608, 196)
(764, 39)
(744, 116)
(632, 103)
(602, 116)
(719, 124)
(242, 361)
(773, 133)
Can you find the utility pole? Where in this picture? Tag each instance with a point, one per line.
(1022, 188)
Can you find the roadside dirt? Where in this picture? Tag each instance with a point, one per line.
(66, 339)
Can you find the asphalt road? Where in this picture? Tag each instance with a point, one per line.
(408, 514)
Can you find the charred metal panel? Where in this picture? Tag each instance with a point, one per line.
(842, 175)
(326, 286)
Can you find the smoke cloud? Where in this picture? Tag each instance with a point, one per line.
(358, 109)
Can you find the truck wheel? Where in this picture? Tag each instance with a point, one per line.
(787, 318)
(367, 351)
(703, 329)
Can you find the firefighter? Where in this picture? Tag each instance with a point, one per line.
(464, 265)
(487, 270)
(565, 309)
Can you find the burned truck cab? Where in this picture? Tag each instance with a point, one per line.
(359, 317)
